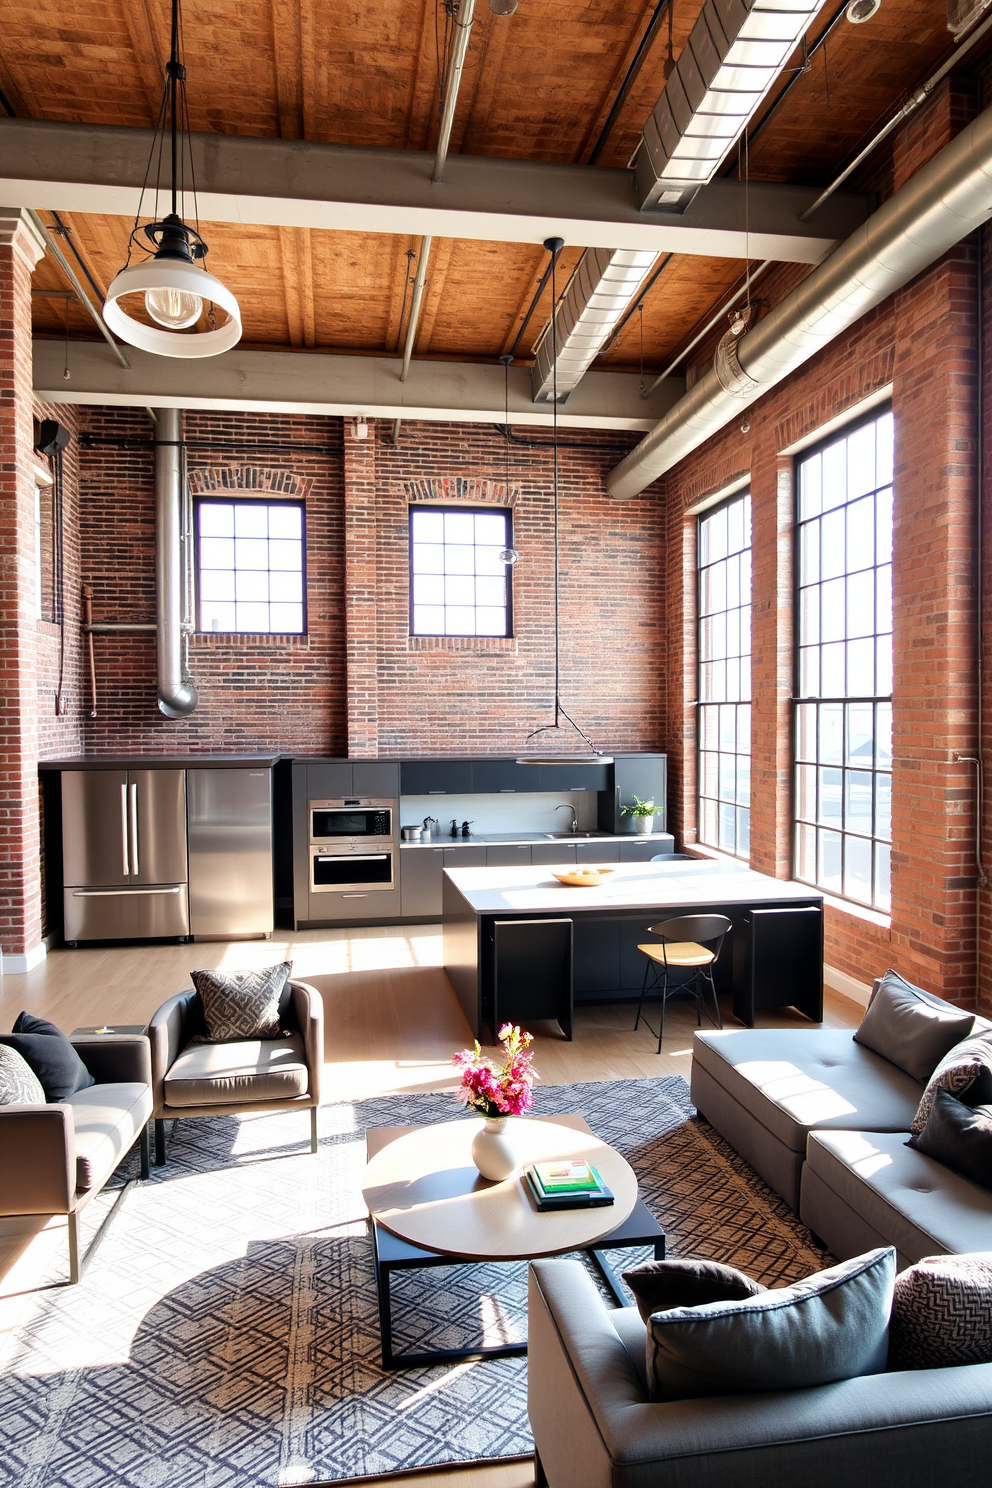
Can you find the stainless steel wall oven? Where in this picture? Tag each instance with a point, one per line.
(351, 820)
(352, 847)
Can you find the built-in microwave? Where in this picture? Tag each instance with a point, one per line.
(351, 821)
(340, 867)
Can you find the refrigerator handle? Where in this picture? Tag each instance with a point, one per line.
(134, 829)
(127, 871)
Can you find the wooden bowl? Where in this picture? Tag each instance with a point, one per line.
(583, 878)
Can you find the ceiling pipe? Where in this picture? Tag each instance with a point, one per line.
(713, 320)
(945, 200)
(452, 84)
(177, 696)
(52, 247)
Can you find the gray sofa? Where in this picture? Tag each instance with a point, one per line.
(595, 1427)
(825, 1121)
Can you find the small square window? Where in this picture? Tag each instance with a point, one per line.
(250, 567)
(459, 585)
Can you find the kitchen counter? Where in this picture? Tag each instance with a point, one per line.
(508, 839)
(160, 762)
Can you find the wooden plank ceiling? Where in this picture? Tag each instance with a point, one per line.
(538, 85)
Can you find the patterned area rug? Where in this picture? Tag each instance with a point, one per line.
(226, 1331)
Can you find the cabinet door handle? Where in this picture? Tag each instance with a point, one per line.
(437, 792)
(127, 871)
(354, 896)
(122, 893)
(134, 829)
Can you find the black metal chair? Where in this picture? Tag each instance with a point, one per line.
(690, 943)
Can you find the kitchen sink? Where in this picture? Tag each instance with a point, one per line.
(570, 836)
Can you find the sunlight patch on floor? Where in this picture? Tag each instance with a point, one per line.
(338, 951)
(360, 1079)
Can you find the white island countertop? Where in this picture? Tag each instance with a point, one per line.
(629, 886)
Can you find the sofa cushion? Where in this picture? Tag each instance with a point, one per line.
(50, 1055)
(19, 1085)
(241, 1004)
(963, 1068)
(959, 1136)
(107, 1120)
(911, 1028)
(658, 1285)
(232, 1073)
(794, 1080)
(942, 1313)
(919, 1205)
(832, 1326)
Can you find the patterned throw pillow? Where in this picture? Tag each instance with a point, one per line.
(942, 1313)
(659, 1285)
(19, 1085)
(241, 1004)
(956, 1072)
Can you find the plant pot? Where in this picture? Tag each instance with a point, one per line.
(644, 825)
(493, 1149)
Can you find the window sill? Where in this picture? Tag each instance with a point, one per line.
(461, 643)
(264, 639)
(858, 911)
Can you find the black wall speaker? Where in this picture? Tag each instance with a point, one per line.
(53, 438)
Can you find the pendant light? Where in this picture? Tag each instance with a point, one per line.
(591, 755)
(509, 556)
(176, 291)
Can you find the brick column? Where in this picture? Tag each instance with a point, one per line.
(361, 616)
(20, 879)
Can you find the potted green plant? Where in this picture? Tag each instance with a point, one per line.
(643, 813)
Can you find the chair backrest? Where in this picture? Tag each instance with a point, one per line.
(703, 929)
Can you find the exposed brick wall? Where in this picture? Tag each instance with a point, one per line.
(284, 694)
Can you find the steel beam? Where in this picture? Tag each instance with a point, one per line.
(341, 386)
(293, 183)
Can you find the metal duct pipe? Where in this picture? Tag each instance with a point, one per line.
(177, 696)
(937, 207)
(452, 84)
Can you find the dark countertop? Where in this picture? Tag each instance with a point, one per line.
(160, 762)
(499, 839)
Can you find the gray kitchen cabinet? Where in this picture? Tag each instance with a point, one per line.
(643, 775)
(358, 904)
(494, 777)
(378, 779)
(571, 777)
(597, 852)
(465, 857)
(329, 780)
(643, 849)
(420, 882)
(508, 855)
(435, 777)
(597, 956)
(552, 853)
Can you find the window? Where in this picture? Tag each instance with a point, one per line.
(724, 721)
(458, 585)
(843, 713)
(250, 566)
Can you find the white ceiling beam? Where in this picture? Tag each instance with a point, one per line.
(341, 386)
(292, 183)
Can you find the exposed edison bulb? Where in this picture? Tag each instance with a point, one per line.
(173, 308)
(509, 556)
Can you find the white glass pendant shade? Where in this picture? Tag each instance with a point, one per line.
(509, 556)
(159, 277)
(173, 308)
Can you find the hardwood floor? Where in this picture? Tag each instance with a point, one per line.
(391, 1024)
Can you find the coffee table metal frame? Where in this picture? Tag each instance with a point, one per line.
(391, 1253)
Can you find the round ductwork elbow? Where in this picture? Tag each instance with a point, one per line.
(180, 702)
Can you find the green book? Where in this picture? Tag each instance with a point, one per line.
(566, 1176)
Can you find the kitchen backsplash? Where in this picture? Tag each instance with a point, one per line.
(533, 811)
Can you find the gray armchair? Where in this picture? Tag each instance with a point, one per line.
(594, 1426)
(55, 1158)
(201, 1079)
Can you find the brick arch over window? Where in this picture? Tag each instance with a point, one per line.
(450, 489)
(210, 479)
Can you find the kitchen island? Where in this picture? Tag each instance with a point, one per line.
(521, 947)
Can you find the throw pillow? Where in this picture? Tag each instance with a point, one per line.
(910, 1028)
(658, 1285)
(241, 1004)
(967, 1067)
(832, 1326)
(19, 1085)
(959, 1137)
(50, 1055)
(942, 1313)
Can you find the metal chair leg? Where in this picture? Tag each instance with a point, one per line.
(73, 1250)
(313, 1128)
(644, 982)
(661, 1014)
(145, 1152)
(159, 1142)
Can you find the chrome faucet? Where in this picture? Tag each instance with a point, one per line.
(431, 825)
(567, 806)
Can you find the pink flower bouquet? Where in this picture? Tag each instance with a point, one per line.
(499, 1092)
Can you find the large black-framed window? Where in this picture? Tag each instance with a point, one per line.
(250, 566)
(458, 584)
(723, 561)
(843, 684)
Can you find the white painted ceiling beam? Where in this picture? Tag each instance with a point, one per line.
(292, 183)
(342, 386)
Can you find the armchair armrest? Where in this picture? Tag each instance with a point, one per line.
(308, 1005)
(592, 1423)
(168, 1032)
(116, 1059)
(37, 1159)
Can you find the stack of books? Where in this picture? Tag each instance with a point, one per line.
(566, 1184)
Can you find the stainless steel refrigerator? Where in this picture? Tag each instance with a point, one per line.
(230, 851)
(124, 860)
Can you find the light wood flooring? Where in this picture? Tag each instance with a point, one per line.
(391, 1024)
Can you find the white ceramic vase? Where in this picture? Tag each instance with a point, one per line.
(644, 825)
(493, 1150)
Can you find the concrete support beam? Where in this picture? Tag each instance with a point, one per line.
(293, 183)
(344, 386)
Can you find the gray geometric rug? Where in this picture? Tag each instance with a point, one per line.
(226, 1336)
